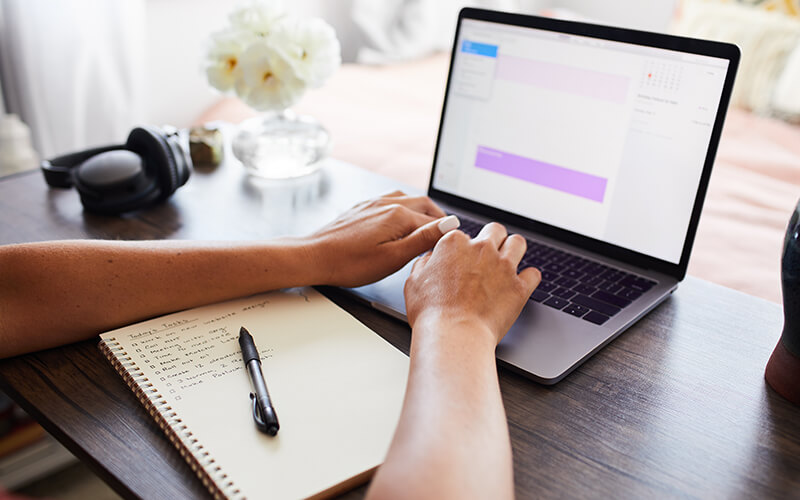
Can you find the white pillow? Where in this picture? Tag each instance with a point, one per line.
(767, 40)
(786, 98)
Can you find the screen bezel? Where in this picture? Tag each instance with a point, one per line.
(720, 50)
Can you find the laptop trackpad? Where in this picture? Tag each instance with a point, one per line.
(546, 343)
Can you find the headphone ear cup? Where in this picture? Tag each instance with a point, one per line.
(183, 161)
(114, 181)
(161, 159)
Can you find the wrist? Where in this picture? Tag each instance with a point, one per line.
(447, 329)
(297, 260)
(320, 262)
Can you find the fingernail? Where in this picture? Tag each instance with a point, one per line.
(448, 223)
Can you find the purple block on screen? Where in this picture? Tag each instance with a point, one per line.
(541, 173)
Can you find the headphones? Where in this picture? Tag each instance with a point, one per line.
(144, 171)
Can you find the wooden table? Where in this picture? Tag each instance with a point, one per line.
(675, 407)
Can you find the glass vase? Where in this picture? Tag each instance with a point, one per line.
(281, 145)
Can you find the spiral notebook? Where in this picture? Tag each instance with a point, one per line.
(337, 388)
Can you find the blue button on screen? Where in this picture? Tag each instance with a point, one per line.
(481, 49)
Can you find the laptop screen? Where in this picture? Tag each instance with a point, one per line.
(602, 138)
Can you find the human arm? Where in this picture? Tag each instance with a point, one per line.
(452, 439)
(54, 293)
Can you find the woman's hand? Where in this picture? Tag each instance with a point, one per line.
(471, 281)
(376, 238)
(452, 439)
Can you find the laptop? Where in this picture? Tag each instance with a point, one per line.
(594, 143)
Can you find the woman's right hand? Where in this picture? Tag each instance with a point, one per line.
(471, 280)
(452, 440)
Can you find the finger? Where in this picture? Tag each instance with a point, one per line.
(494, 232)
(531, 277)
(513, 248)
(394, 194)
(421, 204)
(425, 237)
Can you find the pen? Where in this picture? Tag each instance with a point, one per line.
(263, 412)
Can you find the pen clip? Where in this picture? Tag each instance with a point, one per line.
(259, 419)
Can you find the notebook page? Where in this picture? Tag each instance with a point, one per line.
(336, 386)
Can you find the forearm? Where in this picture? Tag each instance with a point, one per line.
(60, 292)
(452, 440)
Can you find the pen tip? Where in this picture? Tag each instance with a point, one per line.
(243, 331)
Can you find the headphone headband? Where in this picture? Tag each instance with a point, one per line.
(57, 171)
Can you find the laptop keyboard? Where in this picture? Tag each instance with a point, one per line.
(576, 285)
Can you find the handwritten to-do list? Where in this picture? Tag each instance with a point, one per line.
(187, 352)
(324, 370)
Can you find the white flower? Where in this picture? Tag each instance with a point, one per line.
(257, 18)
(311, 47)
(223, 66)
(268, 58)
(269, 79)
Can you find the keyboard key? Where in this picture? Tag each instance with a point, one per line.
(596, 305)
(533, 246)
(572, 274)
(596, 318)
(582, 265)
(576, 310)
(548, 275)
(566, 282)
(539, 295)
(564, 293)
(584, 289)
(612, 275)
(546, 253)
(591, 280)
(611, 298)
(533, 261)
(628, 293)
(644, 284)
(470, 227)
(554, 267)
(556, 302)
(593, 268)
(609, 287)
(637, 283)
(547, 286)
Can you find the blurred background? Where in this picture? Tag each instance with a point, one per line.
(83, 72)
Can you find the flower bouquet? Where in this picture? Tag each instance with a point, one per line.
(269, 58)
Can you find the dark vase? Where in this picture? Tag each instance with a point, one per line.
(783, 368)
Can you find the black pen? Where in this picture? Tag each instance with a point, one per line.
(263, 412)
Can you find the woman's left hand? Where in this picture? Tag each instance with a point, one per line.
(376, 238)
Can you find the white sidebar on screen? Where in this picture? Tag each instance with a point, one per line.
(601, 138)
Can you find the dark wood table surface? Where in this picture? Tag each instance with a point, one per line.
(676, 406)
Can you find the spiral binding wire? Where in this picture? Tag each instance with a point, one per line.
(200, 460)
